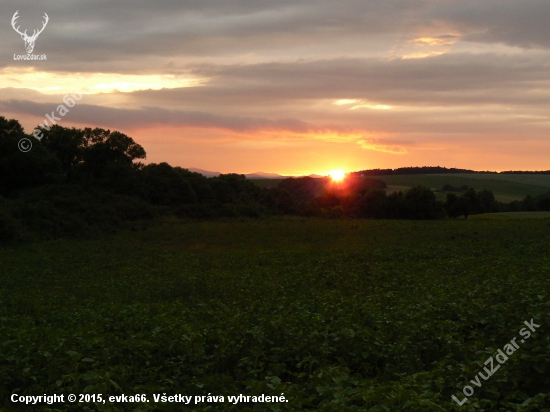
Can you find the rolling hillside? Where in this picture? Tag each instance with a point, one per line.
(506, 187)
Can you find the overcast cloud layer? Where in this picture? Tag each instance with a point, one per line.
(239, 85)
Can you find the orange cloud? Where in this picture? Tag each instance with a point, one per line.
(384, 145)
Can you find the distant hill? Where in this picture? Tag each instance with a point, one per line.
(505, 186)
(424, 170)
(203, 172)
(527, 172)
(262, 175)
(255, 175)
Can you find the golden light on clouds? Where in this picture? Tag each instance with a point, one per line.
(380, 146)
(334, 136)
(378, 141)
(359, 104)
(371, 106)
(426, 45)
(422, 55)
(444, 40)
(90, 83)
(343, 102)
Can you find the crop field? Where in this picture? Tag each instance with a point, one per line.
(334, 315)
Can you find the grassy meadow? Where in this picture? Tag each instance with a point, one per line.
(337, 315)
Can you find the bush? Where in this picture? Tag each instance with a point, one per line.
(66, 210)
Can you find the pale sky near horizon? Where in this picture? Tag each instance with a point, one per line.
(293, 87)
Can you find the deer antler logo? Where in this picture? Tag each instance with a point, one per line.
(29, 40)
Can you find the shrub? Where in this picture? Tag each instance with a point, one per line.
(68, 210)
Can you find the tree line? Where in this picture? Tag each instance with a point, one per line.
(423, 170)
(433, 170)
(75, 182)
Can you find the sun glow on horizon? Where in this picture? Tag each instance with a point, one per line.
(337, 175)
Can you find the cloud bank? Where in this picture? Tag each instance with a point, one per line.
(387, 81)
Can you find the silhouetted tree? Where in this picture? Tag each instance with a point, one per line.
(472, 205)
(528, 204)
(374, 204)
(66, 144)
(302, 188)
(487, 202)
(454, 206)
(543, 202)
(166, 185)
(420, 203)
(20, 170)
(108, 161)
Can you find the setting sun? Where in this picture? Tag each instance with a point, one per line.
(337, 175)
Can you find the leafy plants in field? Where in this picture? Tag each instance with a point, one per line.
(374, 315)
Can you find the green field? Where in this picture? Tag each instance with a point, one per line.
(339, 315)
(513, 215)
(506, 187)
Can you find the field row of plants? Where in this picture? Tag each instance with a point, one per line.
(337, 315)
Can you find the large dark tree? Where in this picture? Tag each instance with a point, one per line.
(103, 147)
(543, 202)
(166, 185)
(455, 206)
(67, 144)
(420, 203)
(108, 160)
(472, 205)
(19, 170)
(487, 201)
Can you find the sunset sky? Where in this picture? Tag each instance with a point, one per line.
(293, 87)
